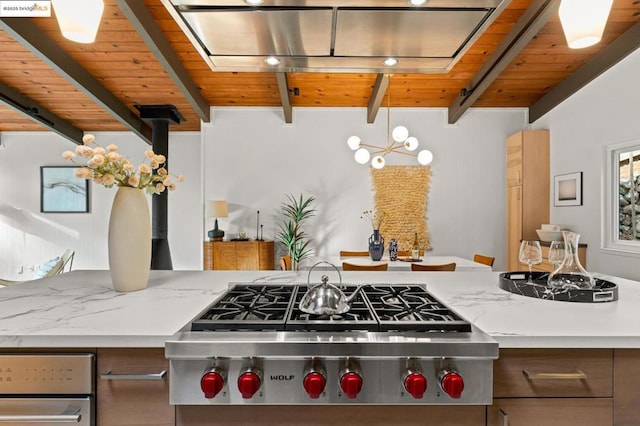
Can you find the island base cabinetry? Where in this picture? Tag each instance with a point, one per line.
(133, 388)
(365, 415)
(552, 387)
(551, 411)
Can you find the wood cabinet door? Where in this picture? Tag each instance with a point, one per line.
(207, 255)
(514, 159)
(131, 389)
(360, 415)
(224, 255)
(626, 387)
(514, 227)
(551, 411)
(267, 254)
(247, 255)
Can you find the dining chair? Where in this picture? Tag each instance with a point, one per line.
(407, 253)
(285, 262)
(346, 266)
(347, 253)
(486, 260)
(442, 267)
(57, 265)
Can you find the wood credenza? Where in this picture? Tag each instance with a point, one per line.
(238, 255)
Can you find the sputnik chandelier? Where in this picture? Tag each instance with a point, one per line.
(400, 143)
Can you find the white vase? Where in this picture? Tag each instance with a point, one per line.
(129, 240)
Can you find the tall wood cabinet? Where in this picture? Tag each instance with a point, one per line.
(528, 185)
(238, 255)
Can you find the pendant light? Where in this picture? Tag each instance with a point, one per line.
(400, 143)
(583, 21)
(79, 19)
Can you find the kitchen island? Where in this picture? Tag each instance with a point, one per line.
(592, 347)
(81, 309)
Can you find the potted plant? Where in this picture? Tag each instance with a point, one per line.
(292, 234)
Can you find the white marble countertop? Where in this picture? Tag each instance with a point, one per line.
(80, 308)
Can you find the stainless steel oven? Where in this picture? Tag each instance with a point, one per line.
(47, 389)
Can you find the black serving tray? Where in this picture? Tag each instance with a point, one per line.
(516, 282)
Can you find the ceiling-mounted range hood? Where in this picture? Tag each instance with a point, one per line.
(333, 36)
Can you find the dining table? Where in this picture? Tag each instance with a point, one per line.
(402, 264)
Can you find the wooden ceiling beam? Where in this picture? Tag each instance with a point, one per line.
(534, 18)
(609, 56)
(379, 89)
(144, 23)
(41, 45)
(283, 88)
(39, 114)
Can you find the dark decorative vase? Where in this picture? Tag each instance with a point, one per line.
(393, 249)
(376, 245)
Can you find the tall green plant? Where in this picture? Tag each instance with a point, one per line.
(291, 234)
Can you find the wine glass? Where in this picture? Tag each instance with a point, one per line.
(531, 254)
(556, 253)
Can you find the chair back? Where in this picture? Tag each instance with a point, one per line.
(347, 253)
(486, 260)
(346, 266)
(285, 262)
(442, 267)
(407, 253)
(64, 264)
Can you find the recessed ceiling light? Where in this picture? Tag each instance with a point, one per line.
(272, 60)
(390, 62)
(417, 2)
(254, 2)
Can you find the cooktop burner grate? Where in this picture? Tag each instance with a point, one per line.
(375, 308)
(248, 307)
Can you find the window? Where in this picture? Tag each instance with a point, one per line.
(621, 227)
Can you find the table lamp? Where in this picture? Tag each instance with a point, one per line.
(217, 208)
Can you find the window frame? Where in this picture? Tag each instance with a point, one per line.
(611, 205)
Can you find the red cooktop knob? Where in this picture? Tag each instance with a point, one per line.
(452, 384)
(211, 384)
(248, 384)
(351, 384)
(314, 384)
(416, 385)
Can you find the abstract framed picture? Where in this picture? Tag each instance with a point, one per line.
(61, 191)
(568, 190)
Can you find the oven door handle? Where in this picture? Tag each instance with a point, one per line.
(108, 375)
(71, 415)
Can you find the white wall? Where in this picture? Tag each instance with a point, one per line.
(28, 237)
(252, 160)
(602, 113)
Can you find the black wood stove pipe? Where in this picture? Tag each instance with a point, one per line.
(160, 116)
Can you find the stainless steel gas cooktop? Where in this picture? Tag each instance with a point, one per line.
(397, 344)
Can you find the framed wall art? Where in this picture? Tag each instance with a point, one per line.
(61, 191)
(568, 190)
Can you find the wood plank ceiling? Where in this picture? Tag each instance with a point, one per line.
(121, 62)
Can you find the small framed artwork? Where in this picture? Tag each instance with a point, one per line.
(61, 191)
(568, 190)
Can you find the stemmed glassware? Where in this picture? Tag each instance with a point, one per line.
(531, 254)
(556, 253)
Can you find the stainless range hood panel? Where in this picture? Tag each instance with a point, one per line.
(333, 36)
(329, 64)
(404, 33)
(264, 32)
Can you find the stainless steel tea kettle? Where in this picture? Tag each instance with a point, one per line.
(325, 298)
